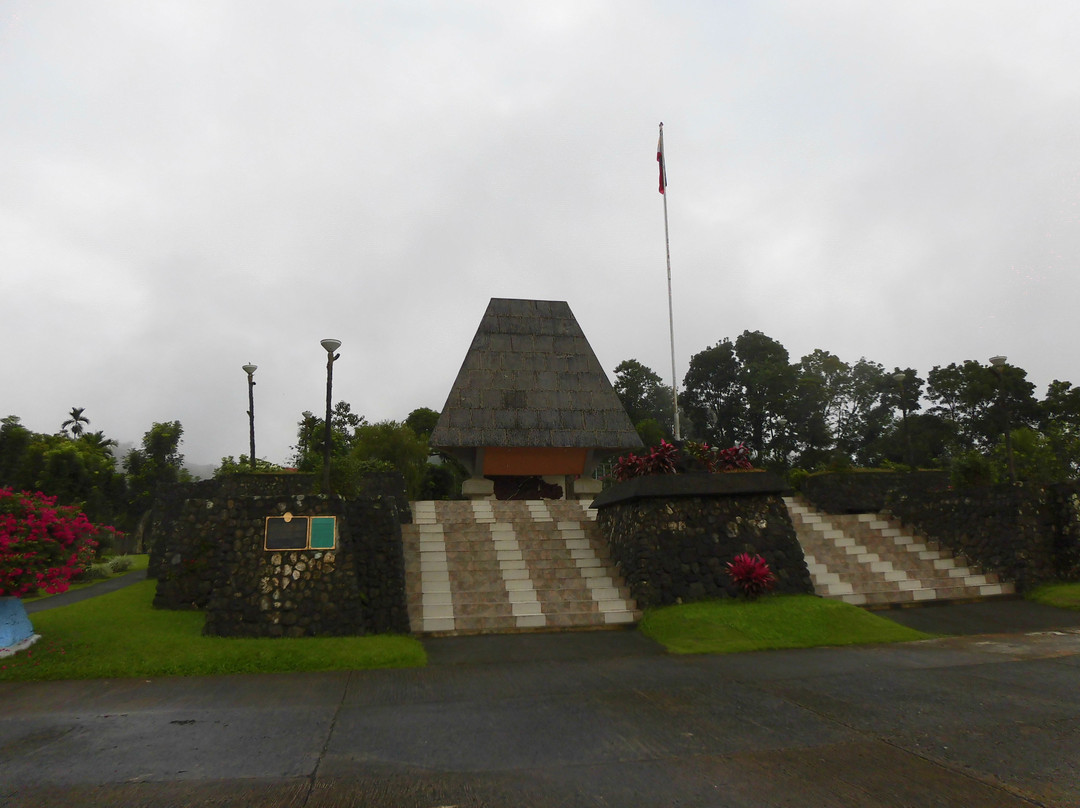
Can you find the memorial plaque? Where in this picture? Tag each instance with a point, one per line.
(290, 532)
(286, 533)
(323, 533)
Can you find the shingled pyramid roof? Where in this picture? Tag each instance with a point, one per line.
(530, 379)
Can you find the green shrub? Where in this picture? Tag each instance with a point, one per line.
(970, 469)
(95, 572)
(650, 431)
(796, 477)
(890, 465)
(839, 461)
(119, 564)
(347, 473)
(230, 466)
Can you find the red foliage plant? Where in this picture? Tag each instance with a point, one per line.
(660, 460)
(714, 459)
(42, 544)
(751, 574)
(668, 459)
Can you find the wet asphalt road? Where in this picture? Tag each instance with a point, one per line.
(588, 719)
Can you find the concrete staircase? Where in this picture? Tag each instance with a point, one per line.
(503, 566)
(870, 559)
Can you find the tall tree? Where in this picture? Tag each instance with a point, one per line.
(311, 432)
(865, 411)
(768, 381)
(80, 472)
(746, 392)
(15, 440)
(422, 421)
(397, 445)
(980, 401)
(156, 464)
(1060, 424)
(644, 396)
(75, 422)
(824, 377)
(97, 440)
(713, 395)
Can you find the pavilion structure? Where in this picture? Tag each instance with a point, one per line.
(532, 412)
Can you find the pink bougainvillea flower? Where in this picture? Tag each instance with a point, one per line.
(42, 545)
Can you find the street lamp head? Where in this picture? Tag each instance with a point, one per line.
(899, 377)
(330, 345)
(998, 361)
(250, 368)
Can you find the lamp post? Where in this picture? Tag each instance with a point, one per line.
(329, 345)
(250, 369)
(998, 363)
(900, 378)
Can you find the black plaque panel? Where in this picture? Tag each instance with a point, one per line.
(282, 535)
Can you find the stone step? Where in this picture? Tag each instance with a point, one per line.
(495, 625)
(479, 567)
(557, 591)
(872, 597)
(485, 543)
(892, 566)
(869, 559)
(928, 561)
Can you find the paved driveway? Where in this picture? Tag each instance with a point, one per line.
(593, 719)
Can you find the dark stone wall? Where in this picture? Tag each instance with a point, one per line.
(693, 484)
(180, 506)
(358, 588)
(208, 554)
(867, 491)
(263, 485)
(181, 503)
(1028, 534)
(675, 550)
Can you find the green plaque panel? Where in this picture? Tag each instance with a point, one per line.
(323, 532)
(286, 534)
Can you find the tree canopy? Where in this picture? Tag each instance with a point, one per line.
(823, 411)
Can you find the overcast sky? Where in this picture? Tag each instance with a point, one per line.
(190, 186)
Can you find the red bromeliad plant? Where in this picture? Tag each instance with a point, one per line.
(42, 544)
(751, 574)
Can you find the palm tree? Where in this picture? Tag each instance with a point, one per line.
(97, 440)
(76, 422)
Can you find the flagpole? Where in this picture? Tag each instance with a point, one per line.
(667, 249)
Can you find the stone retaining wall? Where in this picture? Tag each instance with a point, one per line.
(208, 554)
(179, 506)
(673, 549)
(357, 588)
(1028, 534)
(866, 491)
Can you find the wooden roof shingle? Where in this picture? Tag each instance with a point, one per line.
(531, 379)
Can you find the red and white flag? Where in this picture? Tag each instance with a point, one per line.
(660, 160)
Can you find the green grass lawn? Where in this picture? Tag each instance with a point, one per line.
(777, 621)
(121, 635)
(139, 563)
(1064, 596)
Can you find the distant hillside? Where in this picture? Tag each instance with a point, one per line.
(201, 471)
